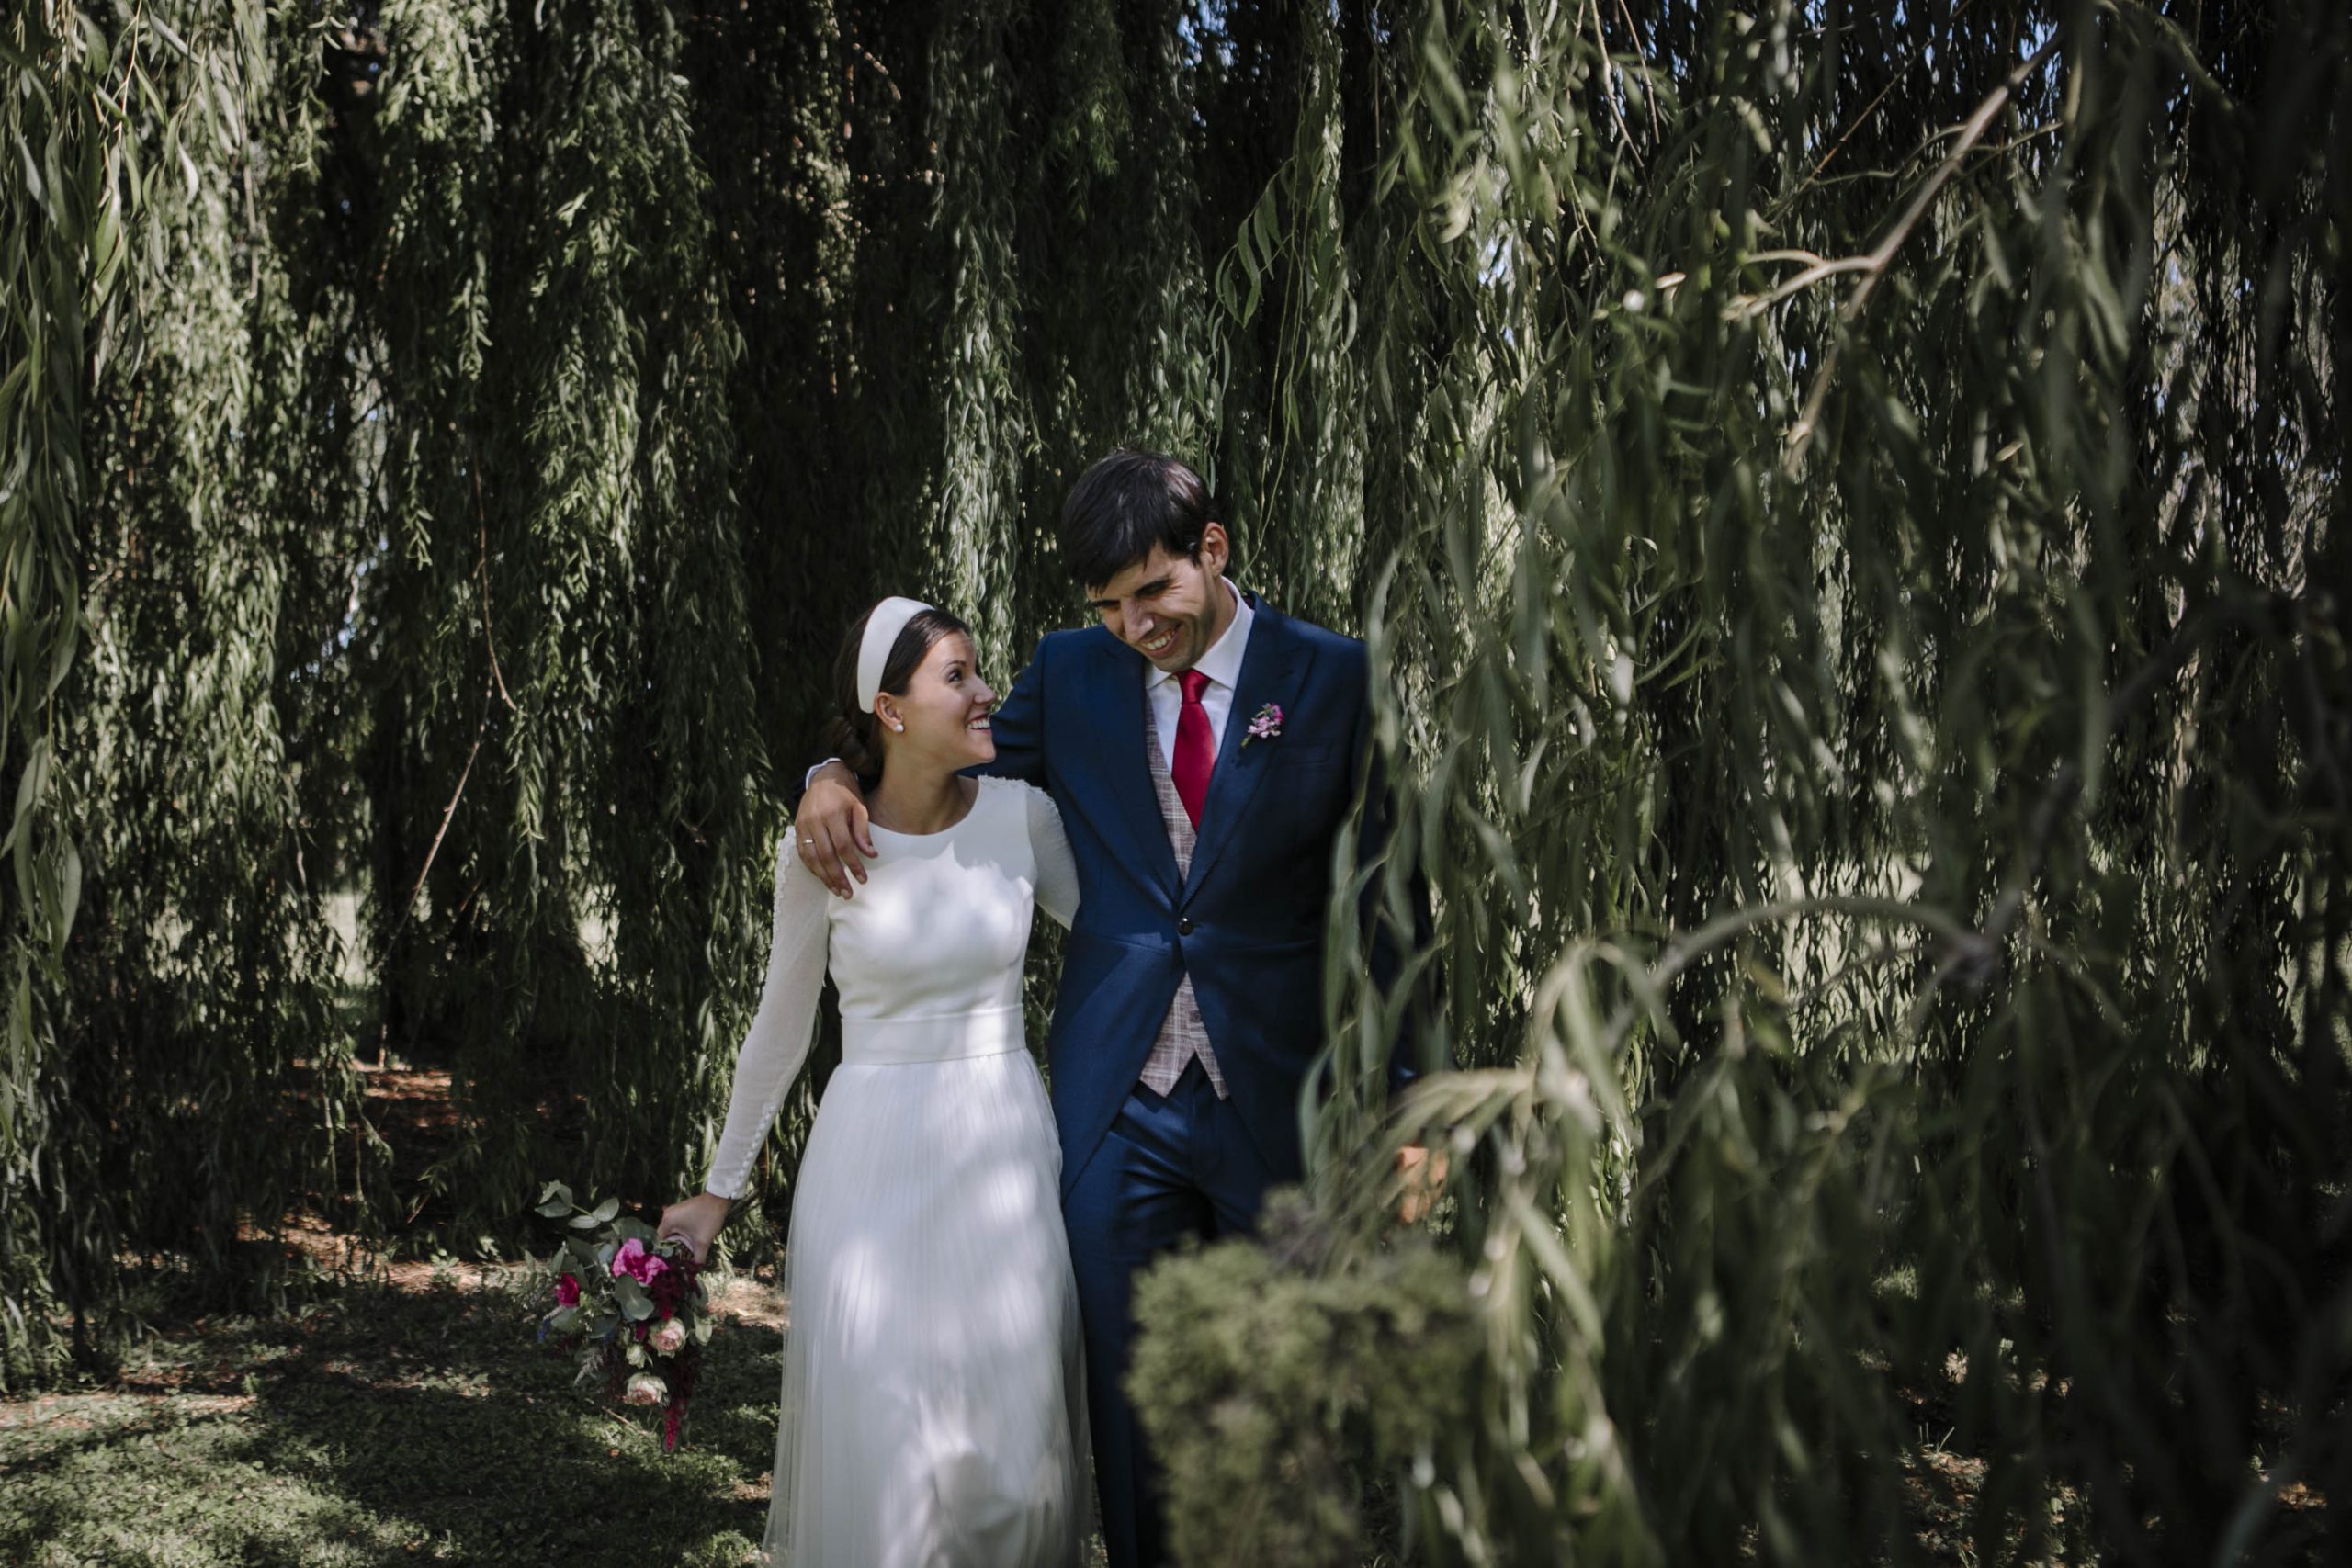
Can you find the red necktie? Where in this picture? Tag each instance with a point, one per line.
(1195, 758)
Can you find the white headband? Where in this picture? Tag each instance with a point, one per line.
(882, 628)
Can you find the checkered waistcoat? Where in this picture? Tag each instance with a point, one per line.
(1183, 1035)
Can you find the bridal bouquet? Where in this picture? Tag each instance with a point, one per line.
(634, 1310)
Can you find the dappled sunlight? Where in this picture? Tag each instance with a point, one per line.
(400, 1418)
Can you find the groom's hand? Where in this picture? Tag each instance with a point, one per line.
(1420, 1173)
(830, 831)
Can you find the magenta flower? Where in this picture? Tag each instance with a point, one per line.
(640, 1263)
(1265, 724)
(567, 1291)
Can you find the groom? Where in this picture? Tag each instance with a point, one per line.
(1203, 750)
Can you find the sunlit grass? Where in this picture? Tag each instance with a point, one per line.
(389, 1422)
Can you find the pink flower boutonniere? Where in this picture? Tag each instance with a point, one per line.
(1267, 725)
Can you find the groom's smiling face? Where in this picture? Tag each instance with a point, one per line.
(1168, 607)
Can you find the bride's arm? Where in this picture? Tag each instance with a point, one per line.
(1056, 867)
(772, 1051)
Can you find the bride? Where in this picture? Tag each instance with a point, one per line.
(934, 1407)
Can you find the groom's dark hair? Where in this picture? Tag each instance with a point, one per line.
(1125, 504)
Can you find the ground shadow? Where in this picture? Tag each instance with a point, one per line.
(393, 1425)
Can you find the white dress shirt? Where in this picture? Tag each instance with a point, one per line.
(1221, 664)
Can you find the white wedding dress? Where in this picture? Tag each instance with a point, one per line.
(934, 1407)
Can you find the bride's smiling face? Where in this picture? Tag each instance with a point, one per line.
(943, 719)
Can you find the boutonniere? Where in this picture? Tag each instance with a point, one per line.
(1266, 726)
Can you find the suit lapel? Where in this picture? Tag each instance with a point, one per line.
(1273, 668)
(1119, 743)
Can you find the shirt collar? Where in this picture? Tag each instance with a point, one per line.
(1222, 663)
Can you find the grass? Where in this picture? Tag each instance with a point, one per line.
(407, 1417)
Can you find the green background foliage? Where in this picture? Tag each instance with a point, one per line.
(1847, 501)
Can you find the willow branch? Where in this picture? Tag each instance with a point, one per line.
(1873, 266)
(408, 905)
(1649, 88)
(1608, 89)
(481, 580)
(1974, 960)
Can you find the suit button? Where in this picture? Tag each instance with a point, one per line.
(1185, 925)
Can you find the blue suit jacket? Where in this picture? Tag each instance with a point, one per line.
(1248, 923)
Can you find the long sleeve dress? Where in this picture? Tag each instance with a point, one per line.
(934, 1402)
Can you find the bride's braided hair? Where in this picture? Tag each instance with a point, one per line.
(856, 736)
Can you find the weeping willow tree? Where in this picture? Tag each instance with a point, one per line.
(370, 604)
(563, 773)
(169, 984)
(1862, 631)
(200, 977)
(1847, 501)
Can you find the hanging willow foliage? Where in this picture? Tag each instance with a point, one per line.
(563, 770)
(169, 980)
(61, 255)
(201, 983)
(1864, 638)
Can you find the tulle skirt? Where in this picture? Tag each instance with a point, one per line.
(933, 1405)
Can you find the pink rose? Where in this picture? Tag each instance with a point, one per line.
(644, 1388)
(640, 1265)
(567, 1291)
(670, 1338)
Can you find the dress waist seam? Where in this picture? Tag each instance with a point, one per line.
(934, 1037)
(980, 1016)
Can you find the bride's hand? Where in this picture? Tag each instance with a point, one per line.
(695, 1220)
(830, 829)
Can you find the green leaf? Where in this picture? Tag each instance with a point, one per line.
(69, 901)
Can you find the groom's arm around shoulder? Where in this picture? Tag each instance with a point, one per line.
(1019, 721)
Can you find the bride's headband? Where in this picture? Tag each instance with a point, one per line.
(883, 626)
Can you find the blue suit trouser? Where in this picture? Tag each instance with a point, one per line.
(1171, 1167)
